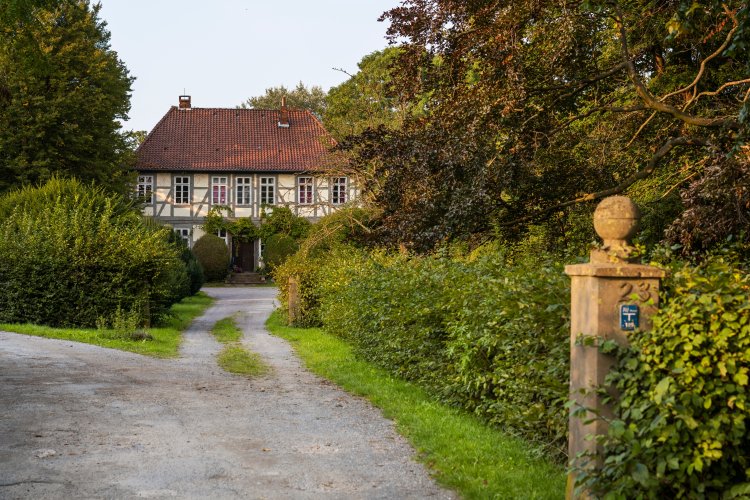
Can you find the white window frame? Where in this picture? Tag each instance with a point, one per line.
(222, 233)
(185, 234)
(305, 190)
(145, 188)
(244, 191)
(182, 190)
(264, 185)
(339, 190)
(217, 183)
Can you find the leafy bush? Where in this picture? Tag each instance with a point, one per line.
(682, 422)
(281, 220)
(213, 255)
(305, 269)
(195, 278)
(74, 255)
(490, 334)
(278, 248)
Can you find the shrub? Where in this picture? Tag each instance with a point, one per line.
(278, 248)
(213, 255)
(195, 278)
(75, 254)
(281, 220)
(490, 334)
(681, 428)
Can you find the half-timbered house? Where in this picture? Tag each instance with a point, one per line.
(244, 159)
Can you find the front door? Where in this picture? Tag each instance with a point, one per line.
(245, 256)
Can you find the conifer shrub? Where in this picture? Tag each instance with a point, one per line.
(213, 255)
(72, 255)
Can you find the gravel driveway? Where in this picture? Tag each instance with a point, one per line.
(79, 421)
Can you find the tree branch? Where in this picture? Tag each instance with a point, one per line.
(706, 60)
(652, 102)
(622, 186)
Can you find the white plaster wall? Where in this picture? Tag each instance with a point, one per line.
(200, 180)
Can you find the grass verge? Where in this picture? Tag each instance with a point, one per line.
(235, 359)
(464, 453)
(166, 335)
(225, 330)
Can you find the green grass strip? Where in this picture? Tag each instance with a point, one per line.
(166, 335)
(226, 331)
(463, 452)
(235, 359)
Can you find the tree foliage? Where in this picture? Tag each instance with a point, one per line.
(312, 98)
(520, 111)
(366, 99)
(62, 92)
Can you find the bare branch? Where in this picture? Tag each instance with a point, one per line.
(702, 69)
(652, 102)
(343, 71)
(640, 129)
(728, 84)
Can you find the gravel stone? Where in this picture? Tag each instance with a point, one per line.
(128, 426)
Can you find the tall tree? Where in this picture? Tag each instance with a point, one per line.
(366, 99)
(313, 98)
(522, 110)
(62, 94)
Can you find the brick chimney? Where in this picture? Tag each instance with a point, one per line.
(185, 102)
(283, 114)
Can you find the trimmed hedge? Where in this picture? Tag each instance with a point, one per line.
(490, 334)
(681, 427)
(213, 255)
(73, 255)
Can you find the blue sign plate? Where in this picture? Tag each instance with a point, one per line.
(629, 317)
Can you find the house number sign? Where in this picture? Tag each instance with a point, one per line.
(629, 317)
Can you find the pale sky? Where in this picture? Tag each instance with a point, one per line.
(223, 51)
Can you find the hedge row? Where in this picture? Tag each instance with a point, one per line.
(682, 421)
(72, 255)
(489, 334)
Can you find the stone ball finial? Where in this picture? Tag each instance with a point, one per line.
(616, 221)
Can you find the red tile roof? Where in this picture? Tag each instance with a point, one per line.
(220, 139)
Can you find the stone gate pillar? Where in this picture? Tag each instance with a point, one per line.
(611, 296)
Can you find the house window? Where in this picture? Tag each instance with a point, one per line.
(305, 190)
(182, 190)
(338, 190)
(146, 188)
(218, 190)
(267, 190)
(184, 233)
(222, 233)
(244, 186)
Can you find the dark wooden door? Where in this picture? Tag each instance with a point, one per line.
(246, 256)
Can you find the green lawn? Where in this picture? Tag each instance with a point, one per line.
(464, 454)
(166, 336)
